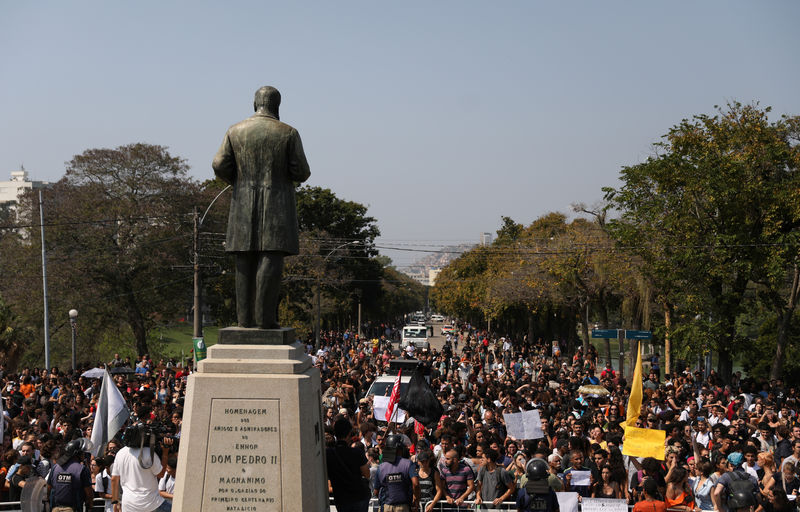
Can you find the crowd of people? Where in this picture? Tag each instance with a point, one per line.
(48, 418)
(733, 446)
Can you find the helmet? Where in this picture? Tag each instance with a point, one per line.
(393, 448)
(741, 499)
(536, 469)
(75, 448)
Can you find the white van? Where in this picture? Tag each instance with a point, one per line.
(382, 386)
(416, 335)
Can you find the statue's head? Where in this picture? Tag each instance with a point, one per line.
(267, 99)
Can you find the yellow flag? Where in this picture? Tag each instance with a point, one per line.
(640, 442)
(635, 400)
(644, 442)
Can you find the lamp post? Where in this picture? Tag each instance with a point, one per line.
(73, 318)
(197, 302)
(317, 313)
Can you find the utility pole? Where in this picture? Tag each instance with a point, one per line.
(44, 288)
(198, 311)
(317, 314)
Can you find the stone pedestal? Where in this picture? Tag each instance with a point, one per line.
(252, 437)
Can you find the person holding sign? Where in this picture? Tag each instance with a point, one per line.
(578, 476)
(650, 502)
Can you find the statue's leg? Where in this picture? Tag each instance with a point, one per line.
(246, 269)
(268, 288)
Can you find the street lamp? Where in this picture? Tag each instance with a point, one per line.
(73, 318)
(317, 314)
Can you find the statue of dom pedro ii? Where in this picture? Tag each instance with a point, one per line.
(262, 159)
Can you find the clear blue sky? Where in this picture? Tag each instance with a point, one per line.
(440, 116)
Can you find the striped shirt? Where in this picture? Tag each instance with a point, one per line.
(456, 482)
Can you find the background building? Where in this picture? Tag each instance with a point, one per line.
(10, 191)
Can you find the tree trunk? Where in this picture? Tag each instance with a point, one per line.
(604, 320)
(586, 329)
(531, 325)
(784, 324)
(725, 365)
(784, 321)
(136, 322)
(667, 341)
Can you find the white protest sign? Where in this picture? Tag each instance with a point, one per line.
(603, 505)
(379, 406)
(580, 478)
(567, 501)
(524, 425)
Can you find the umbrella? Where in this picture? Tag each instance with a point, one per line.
(94, 373)
(593, 389)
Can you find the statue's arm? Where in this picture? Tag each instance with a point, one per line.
(224, 163)
(298, 165)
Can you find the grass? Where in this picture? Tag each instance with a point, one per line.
(177, 339)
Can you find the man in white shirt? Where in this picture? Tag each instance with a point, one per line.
(718, 417)
(139, 484)
(702, 435)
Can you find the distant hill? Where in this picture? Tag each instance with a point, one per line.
(439, 259)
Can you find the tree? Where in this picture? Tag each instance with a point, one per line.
(712, 212)
(13, 337)
(117, 224)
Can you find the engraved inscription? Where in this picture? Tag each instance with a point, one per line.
(243, 456)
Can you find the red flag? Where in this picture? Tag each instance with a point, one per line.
(419, 428)
(394, 397)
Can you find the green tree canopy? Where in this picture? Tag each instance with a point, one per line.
(713, 212)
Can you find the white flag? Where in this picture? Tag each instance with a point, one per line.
(111, 414)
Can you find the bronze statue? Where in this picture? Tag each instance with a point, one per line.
(262, 159)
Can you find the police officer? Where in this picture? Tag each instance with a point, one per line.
(70, 482)
(537, 495)
(398, 477)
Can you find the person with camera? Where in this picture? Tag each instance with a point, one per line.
(70, 481)
(136, 470)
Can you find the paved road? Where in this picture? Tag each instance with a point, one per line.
(437, 341)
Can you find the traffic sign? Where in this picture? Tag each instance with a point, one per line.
(638, 335)
(604, 333)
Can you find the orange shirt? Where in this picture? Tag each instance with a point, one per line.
(27, 390)
(650, 506)
(682, 499)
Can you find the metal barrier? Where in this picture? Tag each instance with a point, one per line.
(14, 506)
(443, 506)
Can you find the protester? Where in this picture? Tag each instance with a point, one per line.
(650, 501)
(348, 470)
(478, 377)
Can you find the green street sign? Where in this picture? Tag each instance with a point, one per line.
(604, 333)
(638, 335)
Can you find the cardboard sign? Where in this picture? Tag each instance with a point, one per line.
(644, 442)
